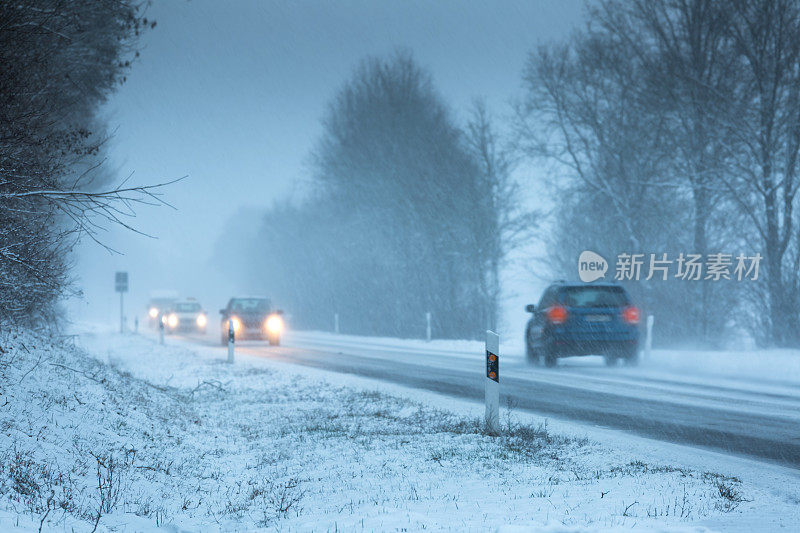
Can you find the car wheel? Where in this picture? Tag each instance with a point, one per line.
(223, 339)
(274, 341)
(550, 358)
(530, 354)
(610, 359)
(632, 358)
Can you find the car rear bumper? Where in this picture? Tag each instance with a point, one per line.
(572, 347)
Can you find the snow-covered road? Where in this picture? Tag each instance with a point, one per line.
(672, 399)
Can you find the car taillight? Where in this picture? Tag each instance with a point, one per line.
(557, 314)
(631, 315)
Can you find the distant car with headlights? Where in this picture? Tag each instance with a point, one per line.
(158, 304)
(253, 318)
(185, 316)
(583, 319)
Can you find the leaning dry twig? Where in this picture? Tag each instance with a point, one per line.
(84, 373)
(208, 383)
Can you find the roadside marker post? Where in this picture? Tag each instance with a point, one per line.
(336, 323)
(161, 329)
(121, 286)
(648, 339)
(136, 324)
(428, 328)
(231, 340)
(492, 396)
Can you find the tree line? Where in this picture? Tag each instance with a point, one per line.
(409, 214)
(664, 127)
(59, 60)
(676, 125)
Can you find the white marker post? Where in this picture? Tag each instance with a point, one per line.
(492, 383)
(336, 323)
(231, 340)
(648, 339)
(121, 286)
(428, 328)
(161, 329)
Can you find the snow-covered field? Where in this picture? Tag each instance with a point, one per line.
(122, 433)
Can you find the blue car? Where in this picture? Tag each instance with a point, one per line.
(575, 319)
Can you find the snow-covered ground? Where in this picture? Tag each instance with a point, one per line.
(146, 436)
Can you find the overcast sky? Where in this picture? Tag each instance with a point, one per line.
(231, 94)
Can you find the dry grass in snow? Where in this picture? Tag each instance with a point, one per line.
(133, 435)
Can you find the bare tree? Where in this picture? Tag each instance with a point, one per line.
(667, 104)
(582, 109)
(408, 214)
(681, 46)
(587, 110)
(61, 58)
(506, 223)
(763, 128)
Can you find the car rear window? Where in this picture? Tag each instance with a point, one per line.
(595, 297)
